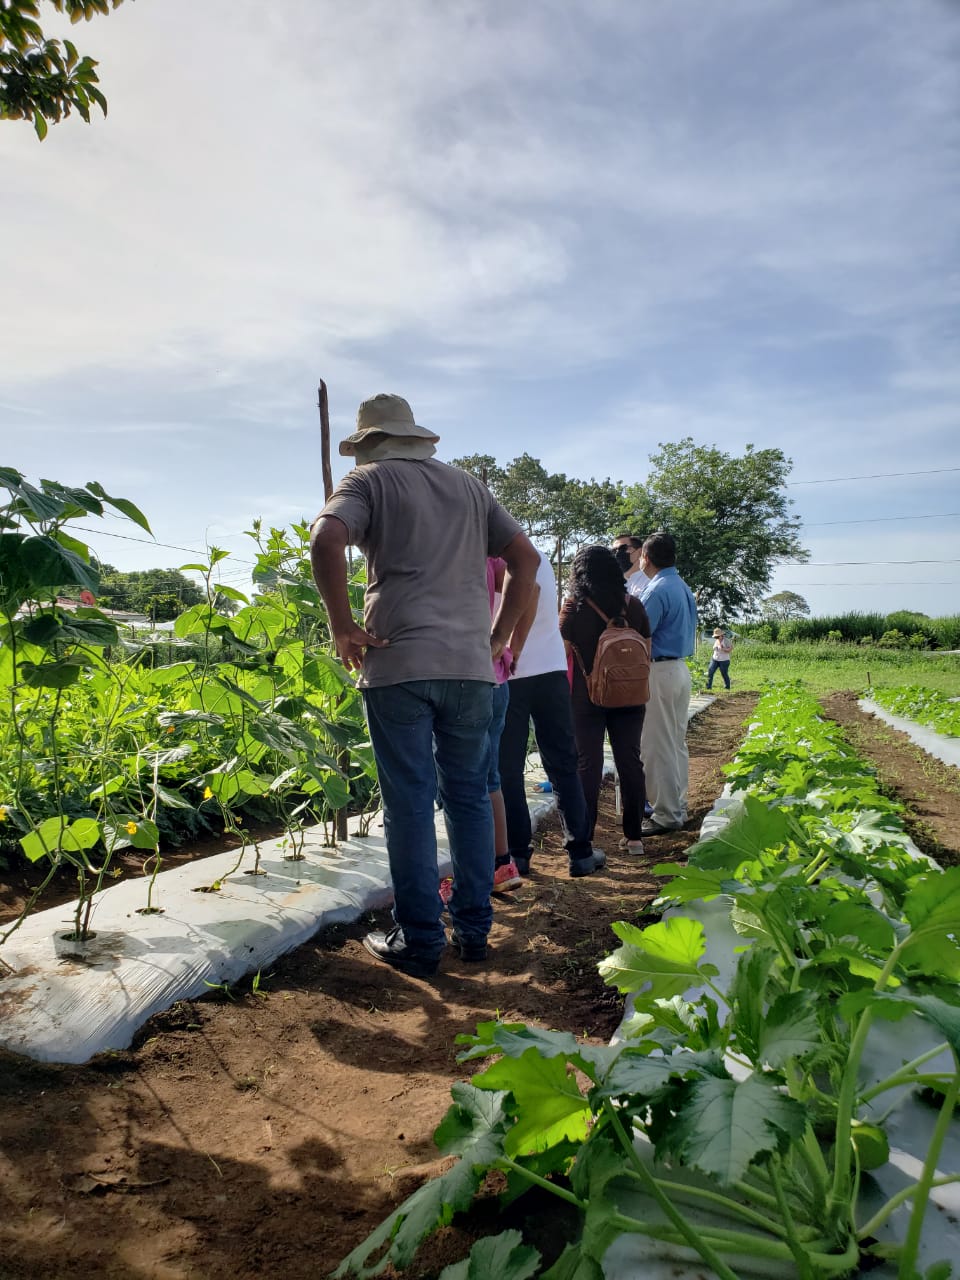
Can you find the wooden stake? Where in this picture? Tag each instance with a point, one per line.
(343, 757)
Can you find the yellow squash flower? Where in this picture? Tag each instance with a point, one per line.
(130, 828)
(207, 793)
(3, 813)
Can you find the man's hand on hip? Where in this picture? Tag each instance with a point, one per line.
(352, 644)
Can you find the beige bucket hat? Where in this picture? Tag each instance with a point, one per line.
(384, 415)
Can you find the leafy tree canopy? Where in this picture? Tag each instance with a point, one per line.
(43, 80)
(729, 515)
(167, 591)
(784, 605)
(559, 513)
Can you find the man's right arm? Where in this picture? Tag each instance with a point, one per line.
(328, 545)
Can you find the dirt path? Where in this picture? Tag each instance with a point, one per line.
(929, 788)
(272, 1132)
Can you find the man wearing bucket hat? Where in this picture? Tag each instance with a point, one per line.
(424, 657)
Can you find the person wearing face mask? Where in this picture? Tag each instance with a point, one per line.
(626, 549)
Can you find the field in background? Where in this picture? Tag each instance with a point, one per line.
(824, 668)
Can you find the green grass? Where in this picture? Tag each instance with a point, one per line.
(826, 667)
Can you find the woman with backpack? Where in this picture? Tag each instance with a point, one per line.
(607, 632)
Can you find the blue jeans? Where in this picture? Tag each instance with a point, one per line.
(501, 700)
(430, 734)
(722, 667)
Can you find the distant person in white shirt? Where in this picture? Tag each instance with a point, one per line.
(722, 649)
(627, 550)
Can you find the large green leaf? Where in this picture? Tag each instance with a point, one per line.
(515, 1038)
(549, 1103)
(14, 581)
(790, 1029)
(48, 629)
(722, 1125)
(51, 675)
(666, 955)
(893, 1005)
(49, 566)
(55, 835)
(504, 1256)
(637, 1074)
(932, 907)
(474, 1128)
(756, 827)
(122, 504)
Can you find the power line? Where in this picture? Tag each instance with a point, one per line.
(827, 564)
(909, 583)
(151, 542)
(822, 524)
(880, 475)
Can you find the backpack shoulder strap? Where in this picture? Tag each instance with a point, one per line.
(596, 609)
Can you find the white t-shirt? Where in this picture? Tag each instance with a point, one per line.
(544, 649)
(636, 583)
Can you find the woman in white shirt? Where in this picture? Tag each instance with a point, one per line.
(722, 649)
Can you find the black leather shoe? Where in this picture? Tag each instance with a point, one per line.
(651, 828)
(522, 864)
(595, 861)
(392, 950)
(474, 952)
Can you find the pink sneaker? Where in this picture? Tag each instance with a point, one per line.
(506, 877)
(446, 890)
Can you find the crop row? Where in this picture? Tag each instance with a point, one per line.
(926, 706)
(733, 1118)
(103, 750)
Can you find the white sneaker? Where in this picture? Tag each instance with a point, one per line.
(635, 847)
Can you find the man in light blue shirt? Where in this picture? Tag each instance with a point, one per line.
(672, 611)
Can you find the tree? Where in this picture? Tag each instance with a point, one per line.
(784, 606)
(559, 513)
(44, 80)
(163, 607)
(729, 515)
(134, 591)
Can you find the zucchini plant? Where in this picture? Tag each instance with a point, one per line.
(926, 706)
(734, 1119)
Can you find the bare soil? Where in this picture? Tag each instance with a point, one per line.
(273, 1131)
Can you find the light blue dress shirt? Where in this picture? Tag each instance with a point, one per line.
(672, 611)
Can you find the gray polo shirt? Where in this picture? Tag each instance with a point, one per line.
(426, 530)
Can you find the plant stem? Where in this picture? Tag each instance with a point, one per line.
(790, 1230)
(904, 1074)
(697, 1243)
(905, 1193)
(911, 1245)
(733, 1207)
(545, 1183)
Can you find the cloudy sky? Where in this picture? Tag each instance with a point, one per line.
(575, 228)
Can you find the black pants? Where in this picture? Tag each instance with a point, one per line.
(546, 700)
(624, 725)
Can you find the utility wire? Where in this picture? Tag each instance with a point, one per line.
(912, 583)
(880, 475)
(826, 564)
(822, 524)
(151, 542)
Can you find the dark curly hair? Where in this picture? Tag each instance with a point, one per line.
(596, 574)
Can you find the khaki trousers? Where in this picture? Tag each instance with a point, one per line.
(663, 745)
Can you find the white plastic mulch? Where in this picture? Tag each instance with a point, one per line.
(935, 744)
(67, 1010)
